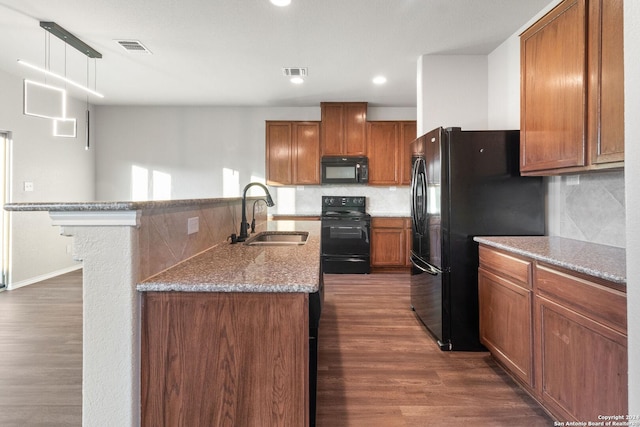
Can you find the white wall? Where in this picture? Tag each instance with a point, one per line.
(60, 169)
(632, 184)
(194, 144)
(452, 92)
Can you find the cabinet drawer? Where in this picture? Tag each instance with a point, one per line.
(593, 300)
(507, 265)
(388, 222)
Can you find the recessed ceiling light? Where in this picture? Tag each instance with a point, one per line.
(297, 80)
(379, 80)
(281, 3)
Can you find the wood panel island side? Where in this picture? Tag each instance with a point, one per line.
(226, 336)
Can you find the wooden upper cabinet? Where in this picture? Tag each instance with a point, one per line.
(306, 154)
(293, 153)
(279, 167)
(606, 87)
(389, 151)
(553, 90)
(383, 146)
(343, 128)
(571, 89)
(408, 131)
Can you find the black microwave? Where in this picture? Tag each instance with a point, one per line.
(345, 170)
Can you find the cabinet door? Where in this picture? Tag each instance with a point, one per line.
(383, 147)
(278, 156)
(388, 242)
(505, 323)
(306, 156)
(332, 135)
(606, 81)
(355, 121)
(408, 235)
(553, 90)
(583, 364)
(407, 135)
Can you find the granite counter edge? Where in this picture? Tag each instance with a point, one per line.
(615, 278)
(114, 205)
(226, 288)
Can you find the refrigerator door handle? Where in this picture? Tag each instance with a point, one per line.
(424, 266)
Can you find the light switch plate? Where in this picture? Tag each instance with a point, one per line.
(193, 225)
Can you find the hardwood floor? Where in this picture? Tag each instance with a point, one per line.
(41, 354)
(377, 364)
(379, 367)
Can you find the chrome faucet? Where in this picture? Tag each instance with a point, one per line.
(243, 223)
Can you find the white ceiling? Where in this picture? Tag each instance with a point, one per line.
(231, 52)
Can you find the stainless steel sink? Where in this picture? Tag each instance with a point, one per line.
(278, 238)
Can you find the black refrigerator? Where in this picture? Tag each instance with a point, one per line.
(464, 184)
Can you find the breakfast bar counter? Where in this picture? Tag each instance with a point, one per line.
(242, 268)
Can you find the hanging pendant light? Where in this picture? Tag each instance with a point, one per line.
(48, 101)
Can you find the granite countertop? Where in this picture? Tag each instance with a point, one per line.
(604, 262)
(241, 268)
(111, 206)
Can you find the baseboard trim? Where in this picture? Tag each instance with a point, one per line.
(40, 278)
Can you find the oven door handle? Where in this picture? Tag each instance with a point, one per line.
(424, 266)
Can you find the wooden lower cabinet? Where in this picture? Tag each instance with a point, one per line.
(213, 359)
(561, 334)
(583, 364)
(390, 242)
(581, 344)
(505, 323)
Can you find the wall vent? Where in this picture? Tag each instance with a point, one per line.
(295, 72)
(133, 46)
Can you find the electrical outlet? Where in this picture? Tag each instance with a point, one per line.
(28, 186)
(573, 179)
(193, 225)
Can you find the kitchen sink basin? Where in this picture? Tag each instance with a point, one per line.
(278, 238)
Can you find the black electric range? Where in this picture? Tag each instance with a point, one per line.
(346, 235)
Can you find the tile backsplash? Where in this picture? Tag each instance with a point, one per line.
(307, 200)
(589, 207)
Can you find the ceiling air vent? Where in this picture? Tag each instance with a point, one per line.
(133, 46)
(295, 72)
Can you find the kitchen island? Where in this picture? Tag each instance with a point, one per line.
(121, 244)
(228, 337)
